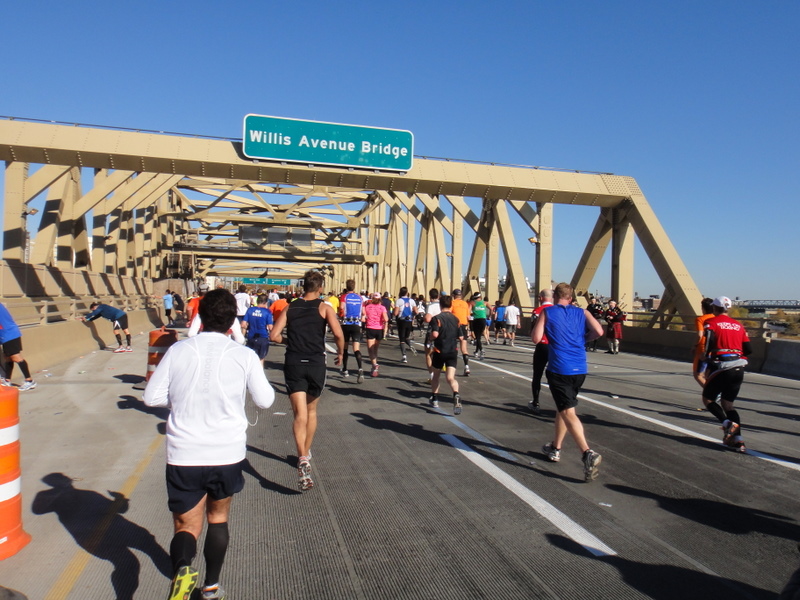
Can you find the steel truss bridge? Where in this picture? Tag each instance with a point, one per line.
(150, 205)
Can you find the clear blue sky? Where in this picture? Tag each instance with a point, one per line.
(699, 101)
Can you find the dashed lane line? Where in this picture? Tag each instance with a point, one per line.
(566, 525)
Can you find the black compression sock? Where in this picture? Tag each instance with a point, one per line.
(182, 550)
(214, 550)
(357, 354)
(733, 415)
(466, 359)
(344, 360)
(716, 410)
(119, 339)
(23, 366)
(128, 339)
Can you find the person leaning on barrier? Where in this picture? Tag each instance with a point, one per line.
(203, 380)
(119, 321)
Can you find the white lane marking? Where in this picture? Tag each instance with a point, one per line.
(491, 445)
(566, 525)
(772, 459)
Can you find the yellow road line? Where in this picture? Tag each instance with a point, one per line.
(69, 576)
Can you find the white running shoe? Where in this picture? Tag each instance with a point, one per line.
(120, 349)
(28, 385)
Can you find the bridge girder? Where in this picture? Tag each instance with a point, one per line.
(149, 195)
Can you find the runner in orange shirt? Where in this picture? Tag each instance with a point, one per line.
(699, 363)
(461, 310)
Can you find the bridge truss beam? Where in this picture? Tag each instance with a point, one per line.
(128, 203)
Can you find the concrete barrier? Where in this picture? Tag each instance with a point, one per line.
(783, 359)
(46, 345)
(679, 345)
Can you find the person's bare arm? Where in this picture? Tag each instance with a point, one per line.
(593, 329)
(327, 312)
(276, 335)
(538, 329)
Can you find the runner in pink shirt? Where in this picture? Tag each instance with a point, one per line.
(376, 321)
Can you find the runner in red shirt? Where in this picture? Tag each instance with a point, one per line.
(727, 345)
(541, 354)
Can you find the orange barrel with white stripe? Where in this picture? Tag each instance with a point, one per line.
(160, 341)
(12, 537)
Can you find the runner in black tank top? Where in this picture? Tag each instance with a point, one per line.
(304, 369)
(306, 345)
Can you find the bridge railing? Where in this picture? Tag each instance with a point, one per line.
(757, 327)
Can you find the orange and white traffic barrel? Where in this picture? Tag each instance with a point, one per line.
(160, 341)
(12, 537)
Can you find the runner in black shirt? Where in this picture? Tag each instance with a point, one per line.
(447, 336)
(304, 369)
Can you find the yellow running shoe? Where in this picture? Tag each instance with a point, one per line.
(183, 584)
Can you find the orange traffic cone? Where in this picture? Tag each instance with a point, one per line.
(160, 341)
(12, 537)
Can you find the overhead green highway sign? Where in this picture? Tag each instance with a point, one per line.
(265, 281)
(335, 144)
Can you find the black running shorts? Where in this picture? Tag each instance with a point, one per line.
(12, 347)
(375, 334)
(439, 360)
(352, 333)
(260, 345)
(121, 323)
(186, 486)
(305, 378)
(724, 383)
(565, 389)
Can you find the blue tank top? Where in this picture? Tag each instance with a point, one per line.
(565, 329)
(352, 308)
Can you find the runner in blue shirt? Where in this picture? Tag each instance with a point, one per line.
(117, 317)
(567, 328)
(11, 340)
(168, 304)
(257, 324)
(351, 312)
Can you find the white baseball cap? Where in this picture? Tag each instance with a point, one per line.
(722, 302)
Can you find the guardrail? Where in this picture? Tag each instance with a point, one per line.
(40, 311)
(757, 327)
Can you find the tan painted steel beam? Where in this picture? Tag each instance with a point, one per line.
(151, 190)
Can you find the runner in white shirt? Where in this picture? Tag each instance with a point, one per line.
(243, 302)
(204, 381)
(512, 320)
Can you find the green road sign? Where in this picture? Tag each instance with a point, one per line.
(319, 143)
(278, 281)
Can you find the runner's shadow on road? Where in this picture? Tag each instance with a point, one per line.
(727, 517)
(265, 483)
(133, 403)
(95, 522)
(129, 378)
(665, 582)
